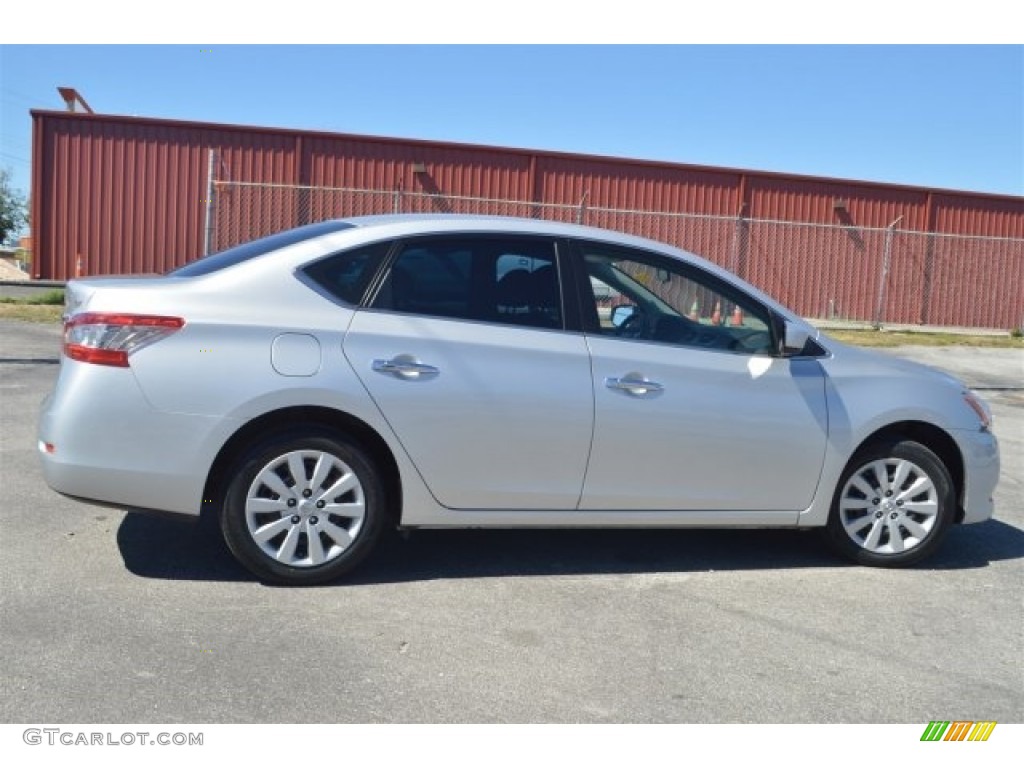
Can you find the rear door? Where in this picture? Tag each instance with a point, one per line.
(465, 352)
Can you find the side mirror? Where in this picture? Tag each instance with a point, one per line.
(794, 338)
(621, 313)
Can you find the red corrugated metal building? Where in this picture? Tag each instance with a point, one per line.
(114, 194)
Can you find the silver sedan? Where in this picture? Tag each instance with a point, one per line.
(314, 388)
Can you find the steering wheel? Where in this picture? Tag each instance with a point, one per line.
(675, 329)
(754, 341)
(634, 326)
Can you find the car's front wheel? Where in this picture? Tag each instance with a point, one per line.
(303, 510)
(894, 504)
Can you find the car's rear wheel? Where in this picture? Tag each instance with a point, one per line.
(893, 506)
(304, 509)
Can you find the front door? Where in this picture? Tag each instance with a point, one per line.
(692, 412)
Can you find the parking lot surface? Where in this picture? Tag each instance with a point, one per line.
(114, 617)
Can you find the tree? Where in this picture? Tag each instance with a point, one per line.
(13, 209)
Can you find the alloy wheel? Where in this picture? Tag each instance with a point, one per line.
(889, 506)
(305, 508)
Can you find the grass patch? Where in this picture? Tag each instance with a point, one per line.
(872, 338)
(54, 297)
(33, 313)
(45, 307)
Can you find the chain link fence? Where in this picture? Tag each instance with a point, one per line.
(865, 275)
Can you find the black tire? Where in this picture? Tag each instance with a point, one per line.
(291, 556)
(905, 516)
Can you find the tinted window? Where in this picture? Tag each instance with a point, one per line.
(503, 280)
(345, 276)
(254, 248)
(641, 296)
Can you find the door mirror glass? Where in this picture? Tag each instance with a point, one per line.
(795, 339)
(621, 313)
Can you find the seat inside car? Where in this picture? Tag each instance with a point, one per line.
(514, 294)
(547, 302)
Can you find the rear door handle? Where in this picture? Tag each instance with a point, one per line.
(634, 384)
(405, 367)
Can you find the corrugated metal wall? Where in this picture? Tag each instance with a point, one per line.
(126, 195)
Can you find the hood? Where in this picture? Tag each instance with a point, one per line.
(870, 363)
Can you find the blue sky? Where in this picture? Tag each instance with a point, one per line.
(942, 116)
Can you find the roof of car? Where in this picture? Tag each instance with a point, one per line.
(472, 222)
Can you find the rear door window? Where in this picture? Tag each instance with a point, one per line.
(489, 279)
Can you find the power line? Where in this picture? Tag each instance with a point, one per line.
(10, 140)
(15, 157)
(19, 95)
(12, 107)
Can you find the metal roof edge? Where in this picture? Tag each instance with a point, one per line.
(556, 154)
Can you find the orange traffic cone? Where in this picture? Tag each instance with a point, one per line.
(694, 311)
(716, 316)
(737, 316)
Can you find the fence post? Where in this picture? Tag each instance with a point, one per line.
(583, 208)
(396, 200)
(890, 230)
(211, 164)
(741, 242)
(303, 205)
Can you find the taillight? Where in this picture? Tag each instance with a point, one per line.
(107, 338)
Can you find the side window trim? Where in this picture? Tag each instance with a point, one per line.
(582, 292)
(370, 294)
(565, 264)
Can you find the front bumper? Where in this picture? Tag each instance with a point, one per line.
(980, 451)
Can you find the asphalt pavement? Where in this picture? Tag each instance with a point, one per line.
(114, 617)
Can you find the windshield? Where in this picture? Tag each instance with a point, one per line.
(254, 248)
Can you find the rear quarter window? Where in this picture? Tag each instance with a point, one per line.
(346, 276)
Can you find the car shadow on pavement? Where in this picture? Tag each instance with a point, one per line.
(167, 548)
(978, 545)
(155, 547)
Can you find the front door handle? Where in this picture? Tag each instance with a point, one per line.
(634, 384)
(405, 367)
